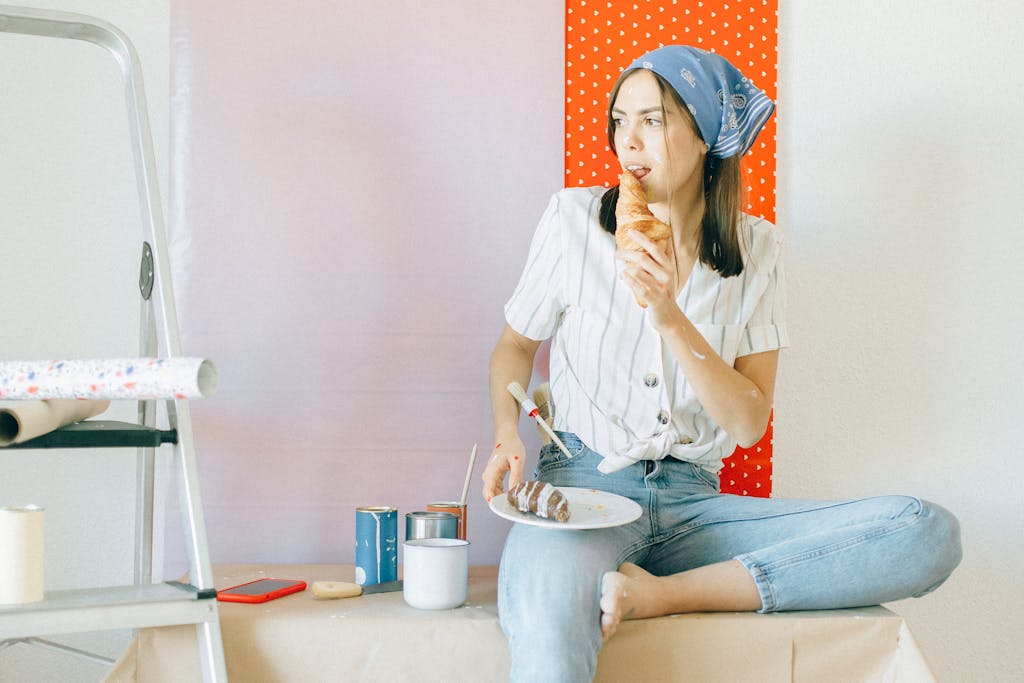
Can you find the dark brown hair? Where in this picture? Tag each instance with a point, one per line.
(718, 245)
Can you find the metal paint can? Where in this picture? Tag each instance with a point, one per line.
(431, 524)
(376, 545)
(454, 507)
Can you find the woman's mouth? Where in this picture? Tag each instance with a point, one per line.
(638, 171)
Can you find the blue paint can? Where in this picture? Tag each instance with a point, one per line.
(376, 545)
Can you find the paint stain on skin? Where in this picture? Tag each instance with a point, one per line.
(515, 457)
(497, 447)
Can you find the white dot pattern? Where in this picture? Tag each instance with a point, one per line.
(604, 36)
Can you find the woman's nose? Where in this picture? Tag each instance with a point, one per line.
(632, 140)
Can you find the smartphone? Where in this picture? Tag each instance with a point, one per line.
(261, 590)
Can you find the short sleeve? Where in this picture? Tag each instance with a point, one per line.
(766, 328)
(537, 302)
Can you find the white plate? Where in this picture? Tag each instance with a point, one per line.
(588, 509)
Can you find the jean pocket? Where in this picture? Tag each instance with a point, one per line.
(551, 456)
(703, 476)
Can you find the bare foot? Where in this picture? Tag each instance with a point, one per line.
(626, 594)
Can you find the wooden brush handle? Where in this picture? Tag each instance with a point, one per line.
(329, 590)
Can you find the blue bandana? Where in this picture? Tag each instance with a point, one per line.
(730, 111)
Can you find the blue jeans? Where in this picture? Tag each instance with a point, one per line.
(802, 554)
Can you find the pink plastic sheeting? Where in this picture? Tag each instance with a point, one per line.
(353, 191)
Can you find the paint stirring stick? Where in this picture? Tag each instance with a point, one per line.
(533, 411)
(469, 473)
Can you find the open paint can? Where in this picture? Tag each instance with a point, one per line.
(376, 545)
(455, 508)
(431, 525)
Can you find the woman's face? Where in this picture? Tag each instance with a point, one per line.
(657, 144)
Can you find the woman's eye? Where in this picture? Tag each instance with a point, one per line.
(618, 123)
(653, 122)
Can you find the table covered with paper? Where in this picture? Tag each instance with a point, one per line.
(379, 638)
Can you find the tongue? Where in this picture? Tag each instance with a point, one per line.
(640, 173)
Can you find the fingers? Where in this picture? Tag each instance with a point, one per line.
(657, 266)
(659, 254)
(644, 287)
(639, 291)
(515, 471)
(494, 475)
(508, 457)
(645, 278)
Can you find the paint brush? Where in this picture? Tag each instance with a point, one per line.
(533, 411)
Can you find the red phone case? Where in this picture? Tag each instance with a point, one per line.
(294, 586)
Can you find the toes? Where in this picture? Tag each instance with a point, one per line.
(608, 597)
(608, 626)
(613, 593)
(609, 604)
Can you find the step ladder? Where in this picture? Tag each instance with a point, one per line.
(143, 604)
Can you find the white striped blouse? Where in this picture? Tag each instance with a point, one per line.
(613, 382)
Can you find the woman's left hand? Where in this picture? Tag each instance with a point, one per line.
(652, 275)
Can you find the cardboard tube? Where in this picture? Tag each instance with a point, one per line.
(21, 562)
(24, 420)
(119, 378)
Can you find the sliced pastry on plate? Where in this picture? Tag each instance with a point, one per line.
(540, 498)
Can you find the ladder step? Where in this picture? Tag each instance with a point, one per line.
(102, 434)
(101, 609)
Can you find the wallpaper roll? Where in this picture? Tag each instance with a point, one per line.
(24, 420)
(21, 562)
(119, 378)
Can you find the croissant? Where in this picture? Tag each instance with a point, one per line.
(631, 213)
(540, 498)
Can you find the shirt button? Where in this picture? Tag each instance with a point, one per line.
(663, 417)
(651, 380)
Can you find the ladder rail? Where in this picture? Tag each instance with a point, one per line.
(72, 26)
(162, 313)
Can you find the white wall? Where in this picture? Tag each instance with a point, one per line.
(344, 261)
(71, 239)
(900, 156)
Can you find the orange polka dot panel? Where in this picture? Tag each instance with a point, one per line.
(748, 471)
(602, 37)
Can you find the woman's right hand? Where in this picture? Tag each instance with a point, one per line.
(508, 456)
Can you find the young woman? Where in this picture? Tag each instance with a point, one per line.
(662, 360)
